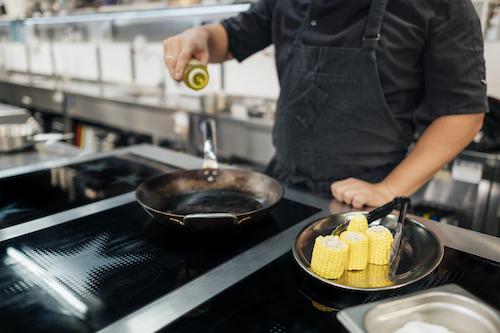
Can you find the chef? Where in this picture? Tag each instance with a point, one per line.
(376, 95)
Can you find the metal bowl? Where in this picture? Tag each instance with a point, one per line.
(421, 252)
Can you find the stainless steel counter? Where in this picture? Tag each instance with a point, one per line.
(173, 305)
(42, 153)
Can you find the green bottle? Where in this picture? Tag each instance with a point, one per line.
(195, 75)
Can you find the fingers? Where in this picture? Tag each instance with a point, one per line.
(352, 191)
(171, 49)
(349, 194)
(359, 193)
(176, 54)
(182, 60)
(355, 196)
(359, 200)
(178, 51)
(338, 188)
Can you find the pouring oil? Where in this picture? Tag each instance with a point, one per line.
(195, 75)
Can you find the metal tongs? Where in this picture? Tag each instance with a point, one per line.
(379, 213)
(402, 204)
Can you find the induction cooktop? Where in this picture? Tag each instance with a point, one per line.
(38, 194)
(280, 298)
(85, 274)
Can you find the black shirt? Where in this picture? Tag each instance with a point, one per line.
(430, 55)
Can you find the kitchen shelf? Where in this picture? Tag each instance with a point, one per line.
(130, 16)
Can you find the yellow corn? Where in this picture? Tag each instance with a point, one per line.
(378, 276)
(322, 307)
(358, 249)
(379, 245)
(355, 279)
(358, 223)
(329, 256)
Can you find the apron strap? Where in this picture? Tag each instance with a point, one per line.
(374, 21)
(297, 37)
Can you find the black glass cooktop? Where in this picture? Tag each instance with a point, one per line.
(87, 273)
(42, 193)
(281, 299)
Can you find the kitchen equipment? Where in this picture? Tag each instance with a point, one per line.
(46, 192)
(278, 300)
(378, 213)
(115, 62)
(395, 251)
(420, 254)
(76, 60)
(15, 135)
(15, 55)
(40, 57)
(449, 306)
(12, 115)
(209, 198)
(120, 257)
(20, 135)
(375, 214)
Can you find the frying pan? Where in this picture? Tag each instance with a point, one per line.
(209, 198)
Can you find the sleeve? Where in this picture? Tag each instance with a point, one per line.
(455, 80)
(250, 31)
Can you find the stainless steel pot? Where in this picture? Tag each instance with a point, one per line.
(17, 136)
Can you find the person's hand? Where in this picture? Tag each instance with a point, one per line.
(359, 193)
(179, 49)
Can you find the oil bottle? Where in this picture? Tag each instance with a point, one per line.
(195, 75)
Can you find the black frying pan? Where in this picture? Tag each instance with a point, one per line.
(209, 198)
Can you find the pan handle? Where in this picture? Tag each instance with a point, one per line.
(219, 218)
(209, 144)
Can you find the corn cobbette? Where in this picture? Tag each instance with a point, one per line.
(355, 256)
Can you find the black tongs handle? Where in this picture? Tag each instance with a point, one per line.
(386, 209)
(403, 203)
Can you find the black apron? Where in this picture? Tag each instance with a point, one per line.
(332, 120)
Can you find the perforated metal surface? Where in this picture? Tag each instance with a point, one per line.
(18, 287)
(434, 279)
(83, 267)
(34, 195)
(82, 275)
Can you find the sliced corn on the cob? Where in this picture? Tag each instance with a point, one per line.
(358, 249)
(358, 223)
(379, 245)
(377, 276)
(329, 256)
(355, 279)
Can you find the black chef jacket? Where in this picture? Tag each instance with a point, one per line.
(430, 55)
